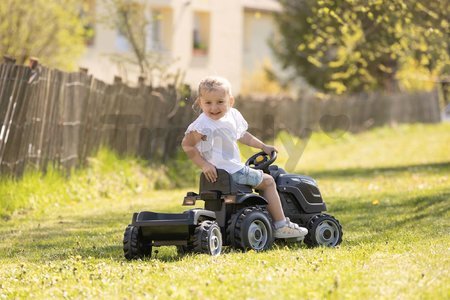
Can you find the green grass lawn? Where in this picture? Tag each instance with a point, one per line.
(390, 189)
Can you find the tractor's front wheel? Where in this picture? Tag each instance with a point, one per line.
(323, 230)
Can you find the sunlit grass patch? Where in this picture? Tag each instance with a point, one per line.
(394, 210)
(403, 145)
(108, 177)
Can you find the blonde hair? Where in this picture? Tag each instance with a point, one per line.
(211, 83)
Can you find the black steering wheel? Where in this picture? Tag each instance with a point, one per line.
(261, 160)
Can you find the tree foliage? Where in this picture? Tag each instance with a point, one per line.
(51, 30)
(354, 45)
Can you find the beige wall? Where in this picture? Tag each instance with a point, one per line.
(259, 28)
(225, 55)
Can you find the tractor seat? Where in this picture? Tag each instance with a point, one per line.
(223, 186)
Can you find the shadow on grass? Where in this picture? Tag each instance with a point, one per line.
(371, 172)
(97, 237)
(100, 236)
(400, 216)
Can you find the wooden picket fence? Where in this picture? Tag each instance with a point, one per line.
(52, 118)
(356, 113)
(49, 117)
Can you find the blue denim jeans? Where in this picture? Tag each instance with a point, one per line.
(248, 176)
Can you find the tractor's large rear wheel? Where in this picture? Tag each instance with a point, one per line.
(250, 229)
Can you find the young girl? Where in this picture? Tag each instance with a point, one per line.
(211, 142)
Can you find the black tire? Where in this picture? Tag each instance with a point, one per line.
(250, 229)
(134, 246)
(208, 238)
(323, 230)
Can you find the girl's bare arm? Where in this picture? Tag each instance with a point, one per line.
(252, 141)
(189, 141)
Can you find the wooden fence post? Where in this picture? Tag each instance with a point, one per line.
(9, 59)
(83, 70)
(141, 80)
(34, 62)
(117, 79)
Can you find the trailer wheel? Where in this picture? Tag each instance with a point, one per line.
(134, 246)
(208, 238)
(323, 230)
(250, 229)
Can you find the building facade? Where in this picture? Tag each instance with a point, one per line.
(197, 37)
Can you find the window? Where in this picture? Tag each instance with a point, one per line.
(131, 22)
(154, 40)
(140, 24)
(200, 36)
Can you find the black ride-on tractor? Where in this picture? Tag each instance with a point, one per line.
(233, 215)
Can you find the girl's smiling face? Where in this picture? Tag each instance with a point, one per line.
(215, 103)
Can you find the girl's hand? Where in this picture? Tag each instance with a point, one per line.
(210, 172)
(268, 149)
